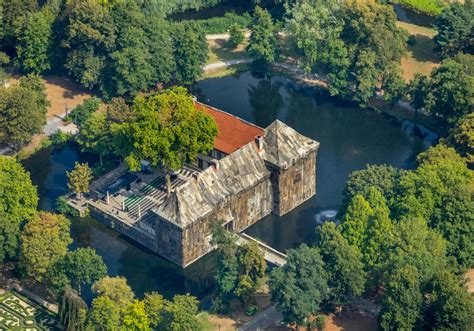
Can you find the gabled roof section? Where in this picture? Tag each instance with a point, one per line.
(234, 132)
(198, 197)
(282, 145)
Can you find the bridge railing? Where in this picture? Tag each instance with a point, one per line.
(262, 244)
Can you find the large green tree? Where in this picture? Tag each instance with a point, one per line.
(168, 130)
(95, 135)
(18, 203)
(180, 314)
(154, 308)
(115, 289)
(79, 178)
(402, 301)
(104, 314)
(135, 318)
(300, 286)
(455, 26)
(44, 242)
(251, 268)
(190, 51)
(462, 138)
(72, 311)
(263, 42)
(35, 42)
(343, 264)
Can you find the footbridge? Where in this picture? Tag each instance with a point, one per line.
(271, 255)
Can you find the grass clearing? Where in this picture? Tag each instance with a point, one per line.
(221, 50)
(224, 71)
(421, 56)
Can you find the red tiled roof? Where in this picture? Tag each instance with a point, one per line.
(234, 132)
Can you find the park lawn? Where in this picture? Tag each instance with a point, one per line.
(421, 57)
(220, 50)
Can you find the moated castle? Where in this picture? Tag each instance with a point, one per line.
(251, 173)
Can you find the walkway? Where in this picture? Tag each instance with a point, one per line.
(263, 320)
(223, 64)
(271, 255)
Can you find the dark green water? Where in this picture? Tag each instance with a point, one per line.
(350, 138)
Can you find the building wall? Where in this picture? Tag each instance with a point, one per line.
(169, 238)
(243, 210)
(294, 185)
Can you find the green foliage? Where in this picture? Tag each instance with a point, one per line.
(190, 52)
(82, 267)
(168, 130)
(59, 137)
(236, 35)
(418, 90)
(393, 84)
(430, 7)
(461, 137)
(82, 112)
(455, 25)
(44, 242)
(154, 308)
(349, 41)
(13, 15)
(263, 42)
(72, 311)
(451, 306)
(104, 314)
(62, 207)
(114, 288)
(342, 262)
(300, 286)
(22, 111)
(79, 178)
(180, 314)
(402, 302)
(95, 135)
(222, 24)
(18, 203)
(135, 317)
(4, 60)
(251, 268)
(35, 42)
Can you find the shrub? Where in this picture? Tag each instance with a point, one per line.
(224, 24)
(59, 137)
(62, 207)
(83, 111)
(236, 35)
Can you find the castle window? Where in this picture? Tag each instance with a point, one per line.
(297, 178)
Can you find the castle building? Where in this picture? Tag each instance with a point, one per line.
(251, 173)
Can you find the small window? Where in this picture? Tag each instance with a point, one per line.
(297, 178)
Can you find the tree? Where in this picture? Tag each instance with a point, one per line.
(82, 267)
(34, 83)
(35, 42)
(342, 262)
(355, 221)
(365, 75)
(79, 178)
(461, 137)
(263, 42)
(451, 306)
(13, 15)
(95, 135)
(18, 203)
(300, 286)
(236, 35)
(402, 301)
(455, 25)
(251, 268)
(72, 311)
(89, 37)
(451, 92)
(135, 317)
(81, 113)
(190, 51)
(418, 90)
(119, 111)
(383, 177)
(44, 242)
(104, 314)
(180, 314)
(21, 115)
(115, 289)
(4, 60)
(168, 130)
(393, 84)
(154, 308)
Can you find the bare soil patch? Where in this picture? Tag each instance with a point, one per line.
(470, 277)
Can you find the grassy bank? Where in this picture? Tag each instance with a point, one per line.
(429, 7)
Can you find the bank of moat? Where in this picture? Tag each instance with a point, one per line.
(251, 173)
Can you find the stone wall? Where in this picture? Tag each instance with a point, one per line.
(294, 185)
(243, 210)
(169, 239)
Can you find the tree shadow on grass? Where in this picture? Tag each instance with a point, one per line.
(424, 49)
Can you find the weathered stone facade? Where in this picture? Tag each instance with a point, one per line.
(273, 174)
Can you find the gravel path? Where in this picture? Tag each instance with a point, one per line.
(223, 64)
(267, 318)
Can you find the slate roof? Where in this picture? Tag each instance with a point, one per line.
(282, 145)
(195, 199)
(234, 132)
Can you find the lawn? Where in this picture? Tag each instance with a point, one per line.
(17, 312)
(421, 56)
(220, 50)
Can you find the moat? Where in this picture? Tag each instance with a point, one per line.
(350, 138)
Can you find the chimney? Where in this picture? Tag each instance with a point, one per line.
(215, 164)
(259, 142)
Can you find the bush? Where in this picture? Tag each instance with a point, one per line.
(83, 111)
(224, 24)
(62, 207)
(59, 137)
